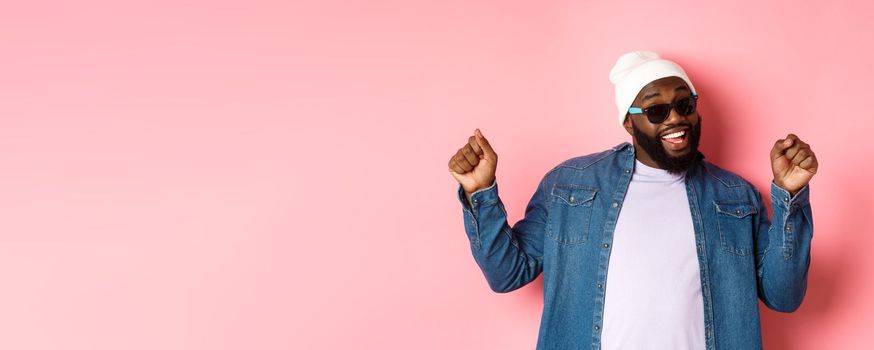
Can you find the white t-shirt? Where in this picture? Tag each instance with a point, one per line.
(653, 290)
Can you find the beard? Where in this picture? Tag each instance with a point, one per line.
(656, 150)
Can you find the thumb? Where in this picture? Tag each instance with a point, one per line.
(488, 152)
(780, 146)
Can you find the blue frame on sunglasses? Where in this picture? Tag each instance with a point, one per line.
(638, 110)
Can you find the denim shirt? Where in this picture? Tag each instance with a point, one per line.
(567, 233)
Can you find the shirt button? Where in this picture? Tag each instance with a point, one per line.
(597, 328)
(627, 171)
(615, 204)
(606, 245)
(788, 229)
(572, 199)
(476, 200)
(599, 286)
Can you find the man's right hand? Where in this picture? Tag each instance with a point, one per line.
(474, 165)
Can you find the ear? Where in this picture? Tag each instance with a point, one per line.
(627, 124)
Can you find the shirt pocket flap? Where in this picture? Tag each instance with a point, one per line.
(738, 210)
(574, 195)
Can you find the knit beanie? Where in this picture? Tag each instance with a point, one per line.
(636, 69)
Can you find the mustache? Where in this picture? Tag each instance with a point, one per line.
(671, 128)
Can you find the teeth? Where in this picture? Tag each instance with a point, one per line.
(676, 134)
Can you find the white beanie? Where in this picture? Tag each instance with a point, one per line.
(636, 69)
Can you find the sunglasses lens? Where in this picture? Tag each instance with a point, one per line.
(658, 113)
(686, 106)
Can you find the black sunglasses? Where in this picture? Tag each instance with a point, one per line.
(658, 113)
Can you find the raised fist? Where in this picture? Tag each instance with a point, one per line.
(793, 163)
(474, 165)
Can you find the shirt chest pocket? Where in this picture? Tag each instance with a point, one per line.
(570, 213)
(735, 224)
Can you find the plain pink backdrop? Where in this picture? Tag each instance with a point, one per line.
(272, 175)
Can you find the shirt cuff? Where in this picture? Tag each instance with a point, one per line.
(480, 197)
(782, 198)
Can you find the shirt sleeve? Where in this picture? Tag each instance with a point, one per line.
(784, 259)
(509, 256)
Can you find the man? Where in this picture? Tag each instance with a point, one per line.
(646, 245)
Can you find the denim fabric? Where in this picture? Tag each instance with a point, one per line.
(567, 233)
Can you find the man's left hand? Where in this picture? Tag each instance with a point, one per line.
(793, 163)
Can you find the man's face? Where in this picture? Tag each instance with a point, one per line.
(674, 154)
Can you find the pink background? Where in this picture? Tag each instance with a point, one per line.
(272, 175)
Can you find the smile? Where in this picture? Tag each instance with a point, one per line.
(674, 135)
(675, 141)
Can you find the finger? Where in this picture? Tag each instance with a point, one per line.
(809, 164)
(799, 156)
(801, 142)
(791, 152)
(457, 167)
(468, 154)
(463, 164)
(475, 146)
(780, 146)
(454, 167)
(796, 141)
(488, 152)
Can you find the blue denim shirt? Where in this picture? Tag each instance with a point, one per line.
(567, 233)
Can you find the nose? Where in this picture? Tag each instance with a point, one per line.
(675, 118)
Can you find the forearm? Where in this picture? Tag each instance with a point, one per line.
(503, 259)
(785, 262)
